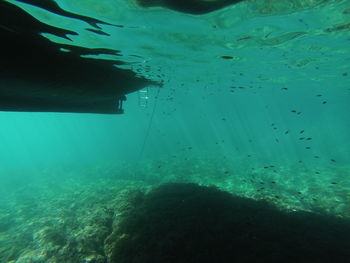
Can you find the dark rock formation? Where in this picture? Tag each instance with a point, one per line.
(185, 223)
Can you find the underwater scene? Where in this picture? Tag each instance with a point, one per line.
(173, 131)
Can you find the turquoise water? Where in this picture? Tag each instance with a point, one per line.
(256, 101)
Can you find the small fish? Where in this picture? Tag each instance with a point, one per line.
(309, 138)
(324, 102)
(316, 156)
(243, 38)
(308, 147)
(319, 95)
(226, 57)
(301, 138)
(286, 132)
(285, 88)
(333, 182)
(293, 111)
(334, 161)
(302, 131)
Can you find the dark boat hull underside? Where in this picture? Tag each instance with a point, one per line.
(35, 75)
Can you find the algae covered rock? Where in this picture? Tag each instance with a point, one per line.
(190, 223)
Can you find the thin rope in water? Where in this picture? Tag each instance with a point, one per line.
(149, 124)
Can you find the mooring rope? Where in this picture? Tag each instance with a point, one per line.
(149, 124)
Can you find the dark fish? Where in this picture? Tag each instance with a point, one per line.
(243, 38)
(226, 57)
(309, 138)
(324, 102)
(333, 160)
(286, 132)
(302, 131)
